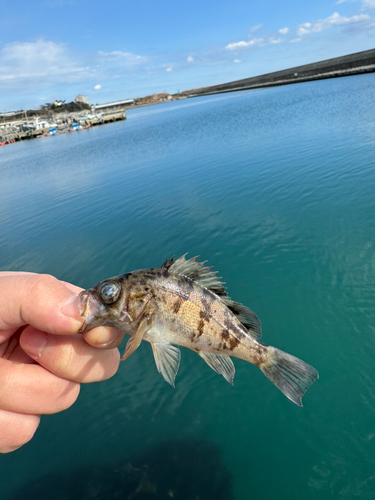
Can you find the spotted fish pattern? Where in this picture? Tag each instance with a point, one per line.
(184, 303)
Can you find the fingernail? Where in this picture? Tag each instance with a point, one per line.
(70, 308)
(34, 344)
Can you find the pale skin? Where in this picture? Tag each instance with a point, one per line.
(43, 359)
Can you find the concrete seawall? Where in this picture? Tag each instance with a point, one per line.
(360, 62)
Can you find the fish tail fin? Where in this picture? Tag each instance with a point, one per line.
(290, 374)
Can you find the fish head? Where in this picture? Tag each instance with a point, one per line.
(104, 305)
(117, 302)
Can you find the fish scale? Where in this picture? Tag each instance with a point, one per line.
(185, 304)
(206, 322)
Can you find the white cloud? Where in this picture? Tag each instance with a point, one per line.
(254, 42)
(330, 22)
(241, 45)
(236, 45)
(97, 87)
(237, 60)
(361, 22)
(190, 59)
(358, 22)
(256, 28)
(127, 57)
(40, 61)
(168, 70)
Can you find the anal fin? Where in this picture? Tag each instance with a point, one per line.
(167, 359)
(220, 363)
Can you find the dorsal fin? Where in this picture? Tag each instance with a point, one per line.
(246, 316)
(196, 271)
(167, 264)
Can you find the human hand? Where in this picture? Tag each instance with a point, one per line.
(43, 359)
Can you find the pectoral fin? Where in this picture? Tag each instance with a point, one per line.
(167, 359)
(133, 342)
(220, 363)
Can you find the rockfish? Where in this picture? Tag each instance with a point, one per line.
(185, 303)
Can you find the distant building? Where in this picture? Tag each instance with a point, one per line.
(58, 103)
(82, 98)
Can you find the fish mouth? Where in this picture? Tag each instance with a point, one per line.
(90, 310)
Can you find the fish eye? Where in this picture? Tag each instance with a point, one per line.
(109, 292)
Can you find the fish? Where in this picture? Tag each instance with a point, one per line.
(184, 303)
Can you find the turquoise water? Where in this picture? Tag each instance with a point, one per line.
(275, 188)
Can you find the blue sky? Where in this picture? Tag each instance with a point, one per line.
(110, 50)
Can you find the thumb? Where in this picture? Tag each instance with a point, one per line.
(38, 300)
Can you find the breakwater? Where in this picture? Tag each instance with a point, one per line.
(352, 64)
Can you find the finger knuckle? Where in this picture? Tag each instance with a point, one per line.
(41, 285)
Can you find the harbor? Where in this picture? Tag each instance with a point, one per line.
(52, 119)
(36, 127)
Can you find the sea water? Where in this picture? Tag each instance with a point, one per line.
(275, 188)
